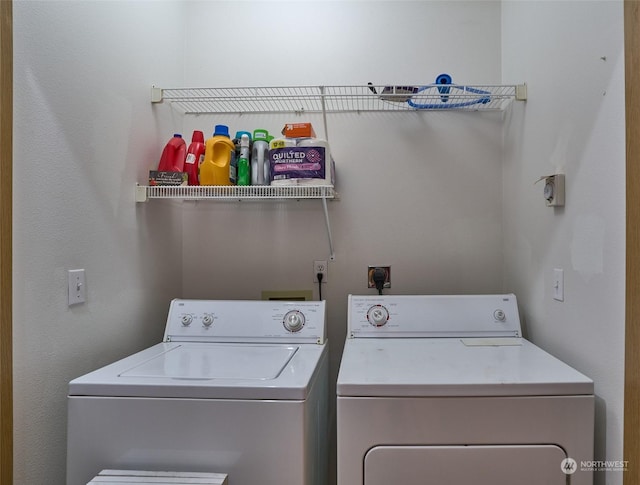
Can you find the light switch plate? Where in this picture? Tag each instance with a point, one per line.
(558, 284)
(77, 287)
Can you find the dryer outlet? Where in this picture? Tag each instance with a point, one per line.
(387, 276)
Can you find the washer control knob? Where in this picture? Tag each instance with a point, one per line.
(293, 321)
(378, 315)
(186, 320)
(207, 320)
(499, 315)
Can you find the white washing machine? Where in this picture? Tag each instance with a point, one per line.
(236, 387)
(444, 390)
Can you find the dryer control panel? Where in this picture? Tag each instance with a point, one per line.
(427, 316)
(246, 321)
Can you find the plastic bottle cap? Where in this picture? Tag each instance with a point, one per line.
(260, 134)
(244, 140)
(177, 135)
(197, 137)
(240, 133)
(221, 130)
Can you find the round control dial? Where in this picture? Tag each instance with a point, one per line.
(293, 321)
(186, 320)
(207, 320)
(377, 315)
(499, 315)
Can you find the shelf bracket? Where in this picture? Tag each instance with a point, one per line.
(521, 92)
(156, 95)
(141, 193)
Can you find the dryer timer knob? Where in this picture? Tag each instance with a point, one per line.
(378, 315)
(293, 321)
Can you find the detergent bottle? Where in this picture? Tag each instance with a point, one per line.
(173, 155)
(217, 158)
(195, 156)
(260, 158)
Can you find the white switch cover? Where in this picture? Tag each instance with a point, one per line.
(558, 284)
(77, 288)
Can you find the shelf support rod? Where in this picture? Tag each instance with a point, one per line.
(324, 113)
(332, 255)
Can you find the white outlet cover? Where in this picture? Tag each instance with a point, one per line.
(320, 267)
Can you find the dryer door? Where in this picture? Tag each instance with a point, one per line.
(461, 465)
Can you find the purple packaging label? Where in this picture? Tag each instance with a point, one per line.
(297, 163)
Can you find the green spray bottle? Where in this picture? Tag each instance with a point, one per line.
(244, 175)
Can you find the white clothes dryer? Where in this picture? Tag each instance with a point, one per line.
(236, 387)
(444, 390)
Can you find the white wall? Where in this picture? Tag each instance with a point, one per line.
(85, 133)
(443, 219)
(418, 191)
(573, 123)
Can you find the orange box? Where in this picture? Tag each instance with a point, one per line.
(298, 130)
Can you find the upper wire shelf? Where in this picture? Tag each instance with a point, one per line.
(335, 99)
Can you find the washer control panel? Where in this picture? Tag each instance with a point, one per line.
(246, 321)
(397, 316)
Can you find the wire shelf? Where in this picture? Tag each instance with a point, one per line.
(251, 192)
(335, 99)
(234, 192)
(444, 96)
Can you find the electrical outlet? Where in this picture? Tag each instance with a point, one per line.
(553, 189)
(387, 276)
(320, 267)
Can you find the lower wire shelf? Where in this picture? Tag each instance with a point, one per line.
(234, 192)
(239, 193)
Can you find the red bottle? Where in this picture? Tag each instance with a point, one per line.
(195, 156)
(173, 155)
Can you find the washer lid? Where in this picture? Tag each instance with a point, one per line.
(454, 367)
(204, 362)
(208, 370)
